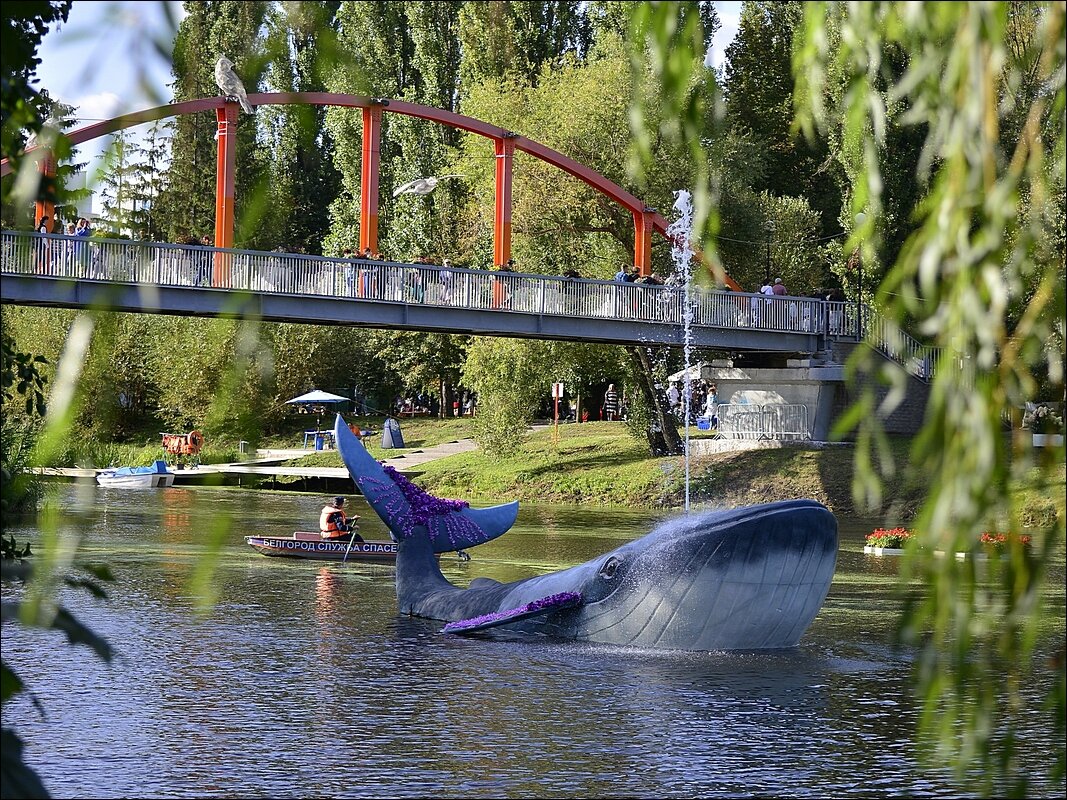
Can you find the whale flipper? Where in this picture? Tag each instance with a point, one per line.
(407, 509)
(536, 608)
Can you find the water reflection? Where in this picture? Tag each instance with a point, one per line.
(304, 681)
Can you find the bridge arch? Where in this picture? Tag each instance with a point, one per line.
(646, 220)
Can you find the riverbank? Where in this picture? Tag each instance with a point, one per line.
(602, 464)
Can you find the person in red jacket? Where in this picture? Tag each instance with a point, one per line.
(335, 525)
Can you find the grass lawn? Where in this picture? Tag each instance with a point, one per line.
(600, 463)
(595, 462)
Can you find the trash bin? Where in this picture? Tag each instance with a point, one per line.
(391, 435)
(320, 441)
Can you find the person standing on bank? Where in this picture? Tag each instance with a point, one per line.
(611, 403)
(335, 526)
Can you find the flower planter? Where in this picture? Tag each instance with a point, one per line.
(1048, 439)
(882, 551)
(896, 551)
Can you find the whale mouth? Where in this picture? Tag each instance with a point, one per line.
(756, 576)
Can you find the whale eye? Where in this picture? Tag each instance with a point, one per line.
(609, 568)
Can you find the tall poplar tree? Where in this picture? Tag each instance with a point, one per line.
(374, 58)
(209, 30)
(514, 39)
(758, 84)
(116, 187)
(295, 147)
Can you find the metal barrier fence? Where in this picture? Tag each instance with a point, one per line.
(55, 256)
(769, 421)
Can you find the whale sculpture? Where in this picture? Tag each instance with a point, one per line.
(748, 578)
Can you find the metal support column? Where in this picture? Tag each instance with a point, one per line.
(45, 205)
(505, 151)
(225, 194)
(643, 241)
(368, 184)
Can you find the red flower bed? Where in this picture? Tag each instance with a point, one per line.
(998, 541)
(888, 537)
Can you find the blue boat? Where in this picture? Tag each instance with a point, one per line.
(153, 477)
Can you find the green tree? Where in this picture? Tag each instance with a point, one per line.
(514, 39)
(211, 29)
(513, 379)
(23, 109)
(899, 155)
(375, 53)
(581, 109)
(116, 187)
(149, 183)
(758, 87)
(295, 149)
(614, 18)
(983, 274)
(409, 51)
(430, 362)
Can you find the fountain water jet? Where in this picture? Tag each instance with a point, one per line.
(680, 233)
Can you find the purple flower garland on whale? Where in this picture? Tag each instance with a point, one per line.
(426, 509)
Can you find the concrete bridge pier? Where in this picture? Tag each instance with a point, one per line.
(818, 384)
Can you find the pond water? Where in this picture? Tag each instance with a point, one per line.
(303, 681)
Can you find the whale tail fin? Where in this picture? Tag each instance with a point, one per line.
(408, 511)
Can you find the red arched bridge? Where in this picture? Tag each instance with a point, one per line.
(51, 270)
(505, 143)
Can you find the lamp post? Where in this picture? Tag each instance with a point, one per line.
(771, 227)
(860, 219)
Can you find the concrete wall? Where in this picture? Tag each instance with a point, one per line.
(812, 386)
(819, 387)
(907, 417)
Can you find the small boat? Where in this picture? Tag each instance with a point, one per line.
(309, 544)
(155, 476)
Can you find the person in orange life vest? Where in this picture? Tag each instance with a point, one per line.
(334, 525)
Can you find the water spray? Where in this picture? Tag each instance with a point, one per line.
(680, 234)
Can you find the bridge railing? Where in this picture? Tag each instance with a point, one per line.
(887, 338)
(174, 265)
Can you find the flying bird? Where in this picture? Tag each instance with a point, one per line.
(422, 185)
(230, 84)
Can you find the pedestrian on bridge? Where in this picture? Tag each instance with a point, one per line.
(44, 227)
(445, 279)
(501, 289)
(204, 261)
(81, 247)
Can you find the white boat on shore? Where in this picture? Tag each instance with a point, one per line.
(153, 477)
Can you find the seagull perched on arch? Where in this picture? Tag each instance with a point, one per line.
(422, 185)
(229, 84)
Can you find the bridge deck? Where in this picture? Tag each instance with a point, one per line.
(150, 277)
